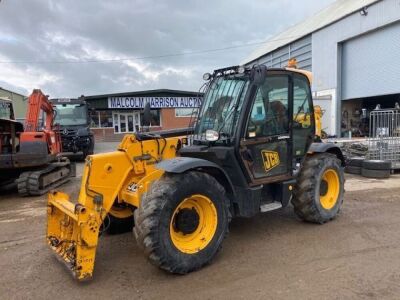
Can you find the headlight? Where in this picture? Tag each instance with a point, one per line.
(241, 69)
(207, 76)
(212, 135)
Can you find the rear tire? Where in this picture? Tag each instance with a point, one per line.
(353, 170)
(318, 195)
(355, 162)
(167, 228)
(377, 174)
(377, 165)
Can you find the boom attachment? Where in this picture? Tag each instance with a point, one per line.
(109, 179)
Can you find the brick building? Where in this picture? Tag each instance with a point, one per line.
(114, 115)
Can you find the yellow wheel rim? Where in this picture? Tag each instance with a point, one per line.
(329, 189)
(192, 236)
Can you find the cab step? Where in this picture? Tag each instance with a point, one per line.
(270, 206)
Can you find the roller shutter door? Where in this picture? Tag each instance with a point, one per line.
(371, 64)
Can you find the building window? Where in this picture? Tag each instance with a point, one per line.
(186, 112)
(101, 119)
(94, 119)
(105, 118)
(155, 119)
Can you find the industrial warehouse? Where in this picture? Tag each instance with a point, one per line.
(354, 68)
(213, 150)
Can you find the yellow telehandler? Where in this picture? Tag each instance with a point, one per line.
(253, 149)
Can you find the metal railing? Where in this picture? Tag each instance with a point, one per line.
(384, 136)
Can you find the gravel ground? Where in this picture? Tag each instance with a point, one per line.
(273, 255)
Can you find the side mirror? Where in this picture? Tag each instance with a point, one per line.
(146, 115)
(258, 74)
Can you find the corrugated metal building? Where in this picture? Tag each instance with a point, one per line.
(19, 102)
(353, 49)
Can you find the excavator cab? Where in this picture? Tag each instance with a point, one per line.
(253, 149)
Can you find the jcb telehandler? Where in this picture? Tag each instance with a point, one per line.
(253, 149)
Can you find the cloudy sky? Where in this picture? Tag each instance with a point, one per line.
(73, 47)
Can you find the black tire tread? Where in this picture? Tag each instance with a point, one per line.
(22, 184)
(304, 192)
(353, 170)
(147, 218)
(377, 165)
(377, 174)
(355, 161)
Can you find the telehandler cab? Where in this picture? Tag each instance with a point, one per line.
(253, 149)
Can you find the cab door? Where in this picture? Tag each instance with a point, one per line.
(266, 145)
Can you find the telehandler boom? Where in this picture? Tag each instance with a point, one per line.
(253, 149)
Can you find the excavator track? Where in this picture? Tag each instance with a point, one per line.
(39, 182)
(22, 184)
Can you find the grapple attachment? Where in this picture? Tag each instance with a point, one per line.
(72, 232)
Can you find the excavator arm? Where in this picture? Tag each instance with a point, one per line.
(37, 103)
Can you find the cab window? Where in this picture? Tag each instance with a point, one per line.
(303, 118)
(270, 115)
(301, 102)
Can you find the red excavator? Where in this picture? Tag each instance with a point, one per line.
(30, 155)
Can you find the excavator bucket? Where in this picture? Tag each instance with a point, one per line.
(72, 232)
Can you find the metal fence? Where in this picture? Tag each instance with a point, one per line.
(384, 136)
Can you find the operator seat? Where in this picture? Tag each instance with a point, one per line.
(276, 119)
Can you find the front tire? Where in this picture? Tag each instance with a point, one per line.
(319, 191)
(182, 221)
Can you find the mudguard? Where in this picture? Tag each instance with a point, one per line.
(329, 148)
(182, 164)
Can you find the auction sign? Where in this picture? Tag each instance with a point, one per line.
(155, 102)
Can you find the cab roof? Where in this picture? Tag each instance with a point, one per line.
(304, 72)
(292, 67)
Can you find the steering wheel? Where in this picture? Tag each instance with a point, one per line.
(261, 125)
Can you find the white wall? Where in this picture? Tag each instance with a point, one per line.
(326, 56)
(327, 100)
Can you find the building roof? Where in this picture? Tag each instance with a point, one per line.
(5, 99)
(144, 93)
(12, 92)
(331, 14)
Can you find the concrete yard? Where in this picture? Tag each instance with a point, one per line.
(274, 255)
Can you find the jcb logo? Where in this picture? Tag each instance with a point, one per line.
(271, 159)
